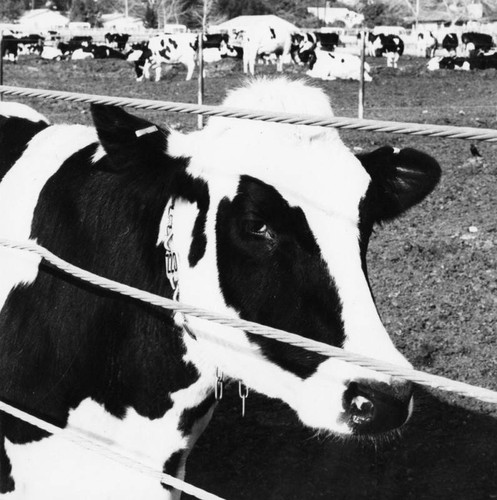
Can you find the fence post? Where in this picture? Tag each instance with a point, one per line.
(1, 62)
(360, 111)
(200, 118)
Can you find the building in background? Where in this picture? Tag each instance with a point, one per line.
(336, 15)
(42, 20)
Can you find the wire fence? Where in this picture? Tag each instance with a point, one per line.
(406, 128)
(93, 443)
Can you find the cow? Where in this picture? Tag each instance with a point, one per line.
(164, 49)
(427, 45)
(23, 124)
(327, 41)
(14, 44)
(389, 46)
(450, 43)
(303, 47)
(474, 43)
(9, 47)
(215, 47)
(103, 52)
(267, 222)
(266, 42)
(81, 55)
(74, 43)
(52, 53)
(117, 40)
(481, 61)
(332, 66)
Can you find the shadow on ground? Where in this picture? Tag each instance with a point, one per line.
(446, 452)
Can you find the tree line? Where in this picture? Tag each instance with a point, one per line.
(156, 13)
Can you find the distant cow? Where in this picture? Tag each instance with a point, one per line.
(480, 61)
(268, 222)
(327, 41)
(303, 47)
(215, 47)
(52, 54)
(74, 43)
(104, 52)
(14, 44)
(389, 46)
(81, 55)
(80, 41)
(164, 49)
(332, 66)
(117, 40)
(9, 47)
(265, 41)
(450, 43)
(473, 43)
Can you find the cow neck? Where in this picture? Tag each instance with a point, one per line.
(173, 277)
(171, 261)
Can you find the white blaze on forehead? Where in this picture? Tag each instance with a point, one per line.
(312, 169)
(307, 165)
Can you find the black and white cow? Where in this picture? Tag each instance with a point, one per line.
(450, 43)
(303, 47)
(73, 44)
(117, 40)
(266, 42)
(270, 223)
(474, 43)
(215, 47)
(389, 46)
(9, 47)
(327, 65)
(14, 44)
(164, 49)
(481, 61)
(94, 51)
(327, 41)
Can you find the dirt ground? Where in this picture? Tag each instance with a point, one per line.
(433, 272)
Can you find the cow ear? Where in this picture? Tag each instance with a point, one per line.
(400, 179)
(128, 140)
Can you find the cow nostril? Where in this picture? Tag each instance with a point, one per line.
(361, 410)
(372, 407)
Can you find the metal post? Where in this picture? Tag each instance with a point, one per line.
(200, 118)
(360, 111)
(1, 62)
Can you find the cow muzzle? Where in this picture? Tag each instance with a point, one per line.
(372, 407)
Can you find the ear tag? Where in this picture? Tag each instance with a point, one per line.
(145, 131)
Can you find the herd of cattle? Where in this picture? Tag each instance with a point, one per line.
(315, 50)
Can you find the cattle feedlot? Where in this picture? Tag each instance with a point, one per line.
(433, 272)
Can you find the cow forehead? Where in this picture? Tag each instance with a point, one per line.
(310, 166)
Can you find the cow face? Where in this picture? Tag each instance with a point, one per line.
(271, 224)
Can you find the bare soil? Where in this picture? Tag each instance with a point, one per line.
(434, 274)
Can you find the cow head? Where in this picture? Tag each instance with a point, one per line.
(271, 224)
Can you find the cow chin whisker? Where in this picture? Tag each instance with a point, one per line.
(376, 441)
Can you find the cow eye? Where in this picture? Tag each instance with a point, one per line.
(257, 228)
